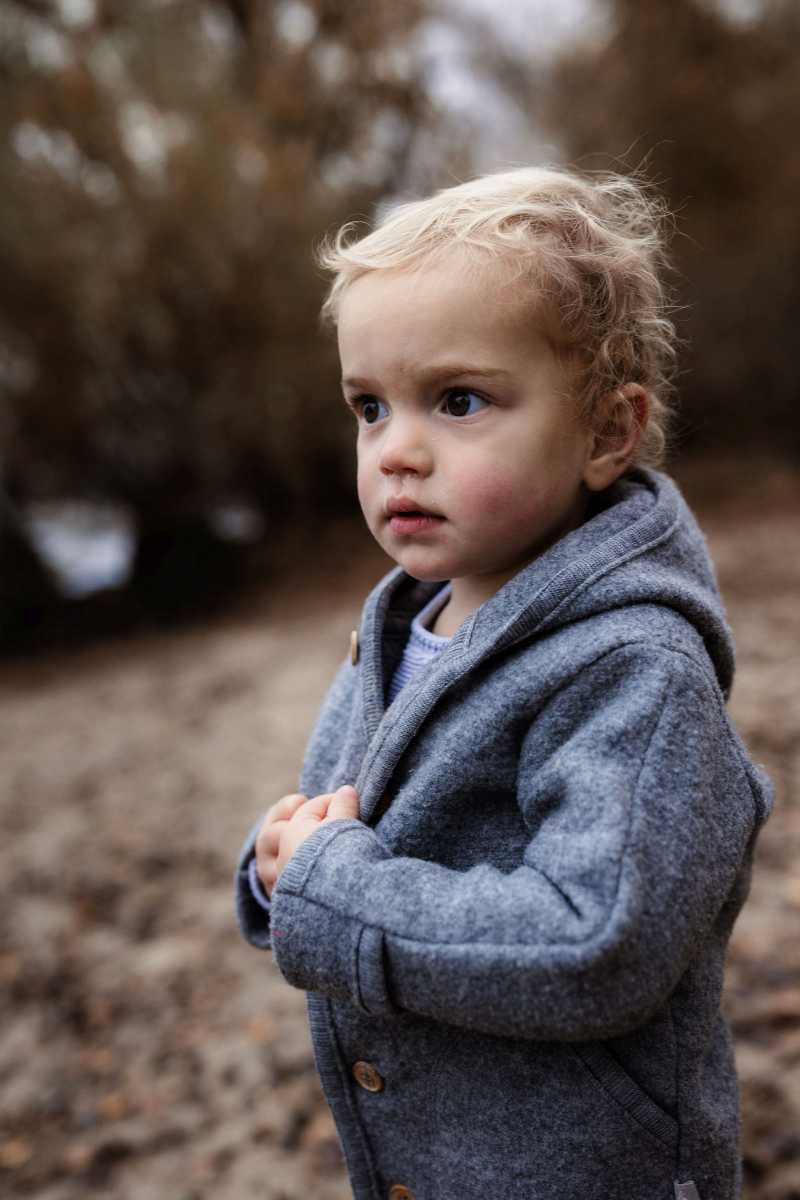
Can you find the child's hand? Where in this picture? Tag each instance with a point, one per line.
(291, 821)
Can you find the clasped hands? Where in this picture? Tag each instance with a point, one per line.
(290, 821)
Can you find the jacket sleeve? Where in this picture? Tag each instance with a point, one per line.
(252, 913)
(253, 917)
(642, 809)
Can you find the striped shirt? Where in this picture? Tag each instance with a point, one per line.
(422, 645)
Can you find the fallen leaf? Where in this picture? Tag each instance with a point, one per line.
(10, 968)
(15, 1153)
(113, 1107)
(262, 1029)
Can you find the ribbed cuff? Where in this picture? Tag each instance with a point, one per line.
(321, 948)
(259, 895)
(252, 915)
(294, 875)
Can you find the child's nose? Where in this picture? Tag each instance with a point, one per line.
(405, 446)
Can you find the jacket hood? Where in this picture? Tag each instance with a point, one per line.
(643, 546)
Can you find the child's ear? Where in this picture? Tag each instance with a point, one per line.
(618, 424)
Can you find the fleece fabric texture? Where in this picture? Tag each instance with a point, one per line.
(524, 933)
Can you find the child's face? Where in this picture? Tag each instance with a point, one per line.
(465, 424)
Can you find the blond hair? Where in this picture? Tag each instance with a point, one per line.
(591, 247)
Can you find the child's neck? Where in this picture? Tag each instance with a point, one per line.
(467, 595)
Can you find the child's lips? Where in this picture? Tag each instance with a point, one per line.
(405, 516)
(413, 522)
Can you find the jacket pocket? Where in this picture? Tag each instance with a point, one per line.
(614, 1080)
(527, 1119)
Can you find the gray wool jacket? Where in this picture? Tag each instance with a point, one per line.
(514, 959)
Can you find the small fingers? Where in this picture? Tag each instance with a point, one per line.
(317, 806)
(344, 803)
(286, 807)
(294, 812)
(268, 839)
(267, 847)
(268, 873)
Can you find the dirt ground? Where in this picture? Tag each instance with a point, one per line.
(147, 1052)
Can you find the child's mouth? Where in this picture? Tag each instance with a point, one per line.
(413, 522)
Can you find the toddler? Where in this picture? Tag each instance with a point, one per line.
(526, 824)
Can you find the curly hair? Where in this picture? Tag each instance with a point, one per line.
(591, 248)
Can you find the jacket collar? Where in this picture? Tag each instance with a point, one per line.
(641, 546)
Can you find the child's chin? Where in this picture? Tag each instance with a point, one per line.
(414, 564)
(427, 576)
(432, 574)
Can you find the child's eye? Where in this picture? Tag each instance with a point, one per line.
(369, 409)
(461, 402)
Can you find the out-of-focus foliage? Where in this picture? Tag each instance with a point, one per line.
(167, 165)
(711, 103)
(165, 169)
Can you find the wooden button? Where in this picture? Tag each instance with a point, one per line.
(367, 1076)
(354, 647)
(399, 1191)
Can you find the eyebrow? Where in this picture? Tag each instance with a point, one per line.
(444, 371)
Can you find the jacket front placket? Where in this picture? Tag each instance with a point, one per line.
(390, 730)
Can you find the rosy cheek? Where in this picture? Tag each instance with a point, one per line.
(498, 497)
(366, 492)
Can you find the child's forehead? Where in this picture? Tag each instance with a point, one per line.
(425, 326)
(455, 282)
(461, 295)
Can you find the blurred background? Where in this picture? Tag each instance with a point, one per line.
(181, 559)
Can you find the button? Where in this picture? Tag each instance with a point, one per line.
(399, 1192)
(367, 1076)
(354, 647)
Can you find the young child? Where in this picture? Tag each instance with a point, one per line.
(526, 823)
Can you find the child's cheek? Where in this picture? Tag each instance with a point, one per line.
(496, 499)
(366, 493)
